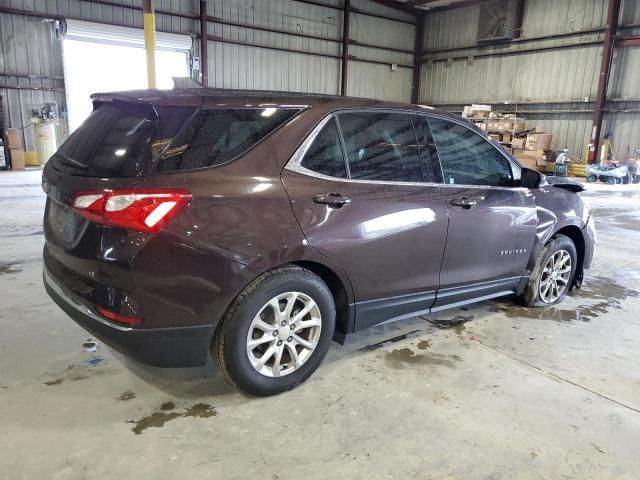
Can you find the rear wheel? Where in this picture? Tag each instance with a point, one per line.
(553, 273)
(277, 331)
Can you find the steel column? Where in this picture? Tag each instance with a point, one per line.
(204, 44)
(417, 55)
(605, 72)
(149, 20)
(344, 74)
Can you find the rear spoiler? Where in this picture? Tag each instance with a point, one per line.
(566, 183)
(175, 97)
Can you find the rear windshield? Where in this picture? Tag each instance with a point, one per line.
(216, 136)
(130, 140)
(120, 140)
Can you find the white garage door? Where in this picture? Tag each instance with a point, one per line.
(103, 58)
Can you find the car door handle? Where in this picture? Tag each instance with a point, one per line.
(464, 202)
(332, 200)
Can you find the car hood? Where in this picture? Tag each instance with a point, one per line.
(565, 183)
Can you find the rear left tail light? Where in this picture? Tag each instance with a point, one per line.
(141, 210)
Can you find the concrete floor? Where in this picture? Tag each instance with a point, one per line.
(510, 393)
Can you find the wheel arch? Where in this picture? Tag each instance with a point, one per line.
(575, 235)
(345, 310)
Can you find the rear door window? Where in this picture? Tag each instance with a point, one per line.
(325, 154)
(217, 136)
(120, 139)
(381, 146)
(467, 158)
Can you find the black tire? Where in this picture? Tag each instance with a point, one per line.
(612, 180)
(530, 297)
(591, 178)
(230, 341)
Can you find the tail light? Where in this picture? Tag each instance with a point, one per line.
(141, 210)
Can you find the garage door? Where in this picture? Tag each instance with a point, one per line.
(99, 58)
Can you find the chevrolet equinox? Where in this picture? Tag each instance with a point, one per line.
(260, 226)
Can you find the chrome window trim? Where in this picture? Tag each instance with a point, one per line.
(295, 161)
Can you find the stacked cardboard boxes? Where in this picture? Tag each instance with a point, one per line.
(14, 145)
(534, 151)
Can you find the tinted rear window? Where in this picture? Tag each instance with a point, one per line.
(120, 140)
(216, 136)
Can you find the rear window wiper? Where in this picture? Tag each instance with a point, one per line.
(70, 162)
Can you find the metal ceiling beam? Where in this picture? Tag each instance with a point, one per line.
(401, 6)
(454, 5)
(613, 12)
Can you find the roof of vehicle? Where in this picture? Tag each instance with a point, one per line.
(221, 97)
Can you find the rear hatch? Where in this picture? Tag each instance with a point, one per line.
(101, 211)
(111, 151)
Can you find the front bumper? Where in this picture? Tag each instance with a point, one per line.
(589, 235)
(160, 347)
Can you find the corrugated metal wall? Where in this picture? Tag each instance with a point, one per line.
(244, 57)
(547, 79)
(317, 68)
(31, 63)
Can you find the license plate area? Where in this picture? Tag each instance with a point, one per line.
(64, 223)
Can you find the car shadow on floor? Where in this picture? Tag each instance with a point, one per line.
(206, 381)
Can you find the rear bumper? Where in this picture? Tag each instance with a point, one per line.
(160, 347)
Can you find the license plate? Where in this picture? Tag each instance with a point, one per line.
(63, 221)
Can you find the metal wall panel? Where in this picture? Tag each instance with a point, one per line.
(239, 66)
(30, 68)
(265, 67)
(554, 75)
(30, 55)
(379, 81)
(557, 71)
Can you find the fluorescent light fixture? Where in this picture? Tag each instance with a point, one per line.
(120, 152)
(267, 112)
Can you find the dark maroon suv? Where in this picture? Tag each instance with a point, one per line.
(260, 226)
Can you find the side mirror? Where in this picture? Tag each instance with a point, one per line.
(530, 178)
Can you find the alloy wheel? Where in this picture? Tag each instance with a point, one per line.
(554, 279)
(284, 334)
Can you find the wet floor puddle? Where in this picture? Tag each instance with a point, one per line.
(404, 357)
(601, 293)
(82, 371)
(10, 268)
(126, 396)
(167, 412)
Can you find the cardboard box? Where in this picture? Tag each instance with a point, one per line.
(519, 126)
(533, 159)
(17, 159)
(539, 141)
(506, 137)
(14, 139)
(518, 143)
(495, 136)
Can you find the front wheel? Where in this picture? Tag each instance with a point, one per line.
(553, 273)
(591, 178)
(276, 332)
